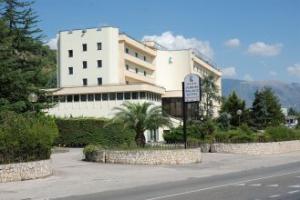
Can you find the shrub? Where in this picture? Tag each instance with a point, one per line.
(282, 133)
(239, 135)
(25, 137)
(83, 131)
(91, 148)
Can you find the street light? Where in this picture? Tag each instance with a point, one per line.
(32, 98)
(239, 113)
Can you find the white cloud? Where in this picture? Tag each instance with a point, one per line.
(52, 43)
(177, 42)
(263, 49)
(229, 72)
(294, 70)
(248, 77)
(233, 43)
(273, 73)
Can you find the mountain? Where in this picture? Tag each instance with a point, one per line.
(288, 93)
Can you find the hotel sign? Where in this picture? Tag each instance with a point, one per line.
(192, 87)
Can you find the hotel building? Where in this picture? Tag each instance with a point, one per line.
(100, 68)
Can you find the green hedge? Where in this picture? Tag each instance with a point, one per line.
(79, 132)
(25, 137)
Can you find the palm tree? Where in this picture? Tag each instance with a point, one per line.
(141, 117)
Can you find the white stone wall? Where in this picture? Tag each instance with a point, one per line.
(257, 148)
(25, 171)
(148, 157)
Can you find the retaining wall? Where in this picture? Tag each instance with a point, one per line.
(257, 148)
(147, 157)
(25, 171)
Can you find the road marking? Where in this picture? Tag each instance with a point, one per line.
(255, 185)
(218, 186)
(240, 184)
(274, 196)
(292, 192)
(294, 186)
(273, 185)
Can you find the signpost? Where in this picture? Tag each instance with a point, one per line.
(191, 92)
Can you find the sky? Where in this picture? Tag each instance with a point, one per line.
(248, 40)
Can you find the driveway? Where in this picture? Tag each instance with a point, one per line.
(72, 176)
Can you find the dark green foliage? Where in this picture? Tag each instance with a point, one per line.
(231, 105)
(224, 121)
(25, 63)
(282, 133)
(25, 137)
(81, 132)
(266, 109)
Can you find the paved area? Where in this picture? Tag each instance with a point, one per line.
(72, 176)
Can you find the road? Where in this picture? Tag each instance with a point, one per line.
(279, 182)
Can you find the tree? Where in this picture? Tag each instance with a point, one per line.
(231, 105)
(22, 57)
(266, 109)
(141, 117)
(210, 94)
(292, 112)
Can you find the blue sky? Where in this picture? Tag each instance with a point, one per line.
(253, 40)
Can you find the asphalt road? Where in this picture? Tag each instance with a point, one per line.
(280, 182)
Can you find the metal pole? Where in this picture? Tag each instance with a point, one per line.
(184, 115)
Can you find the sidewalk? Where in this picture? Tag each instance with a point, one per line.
(74, 177)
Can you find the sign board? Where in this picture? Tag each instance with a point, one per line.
(192, 88)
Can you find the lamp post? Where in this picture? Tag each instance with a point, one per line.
(32, 98)
(239, 113)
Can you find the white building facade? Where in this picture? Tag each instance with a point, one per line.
(101, 68)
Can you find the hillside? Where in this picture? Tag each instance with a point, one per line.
(289, 94)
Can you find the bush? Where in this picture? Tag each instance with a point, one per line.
(91, 148)
(282, 133)
(242, 134)
(25, 137)
(83, 131)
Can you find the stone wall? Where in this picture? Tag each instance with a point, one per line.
(147, 157)
(257, 148)
(25, 171)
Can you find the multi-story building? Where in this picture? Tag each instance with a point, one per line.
(100, 68)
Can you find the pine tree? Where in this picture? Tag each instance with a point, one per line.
(21, 64)
(231, 105)
(266, 109)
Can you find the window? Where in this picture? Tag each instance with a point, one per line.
(99, 46)
(134, 95)
(84, 82)
(83, 97)
(76, 98)
(119, 96)
(136, 70)
(112, 96)
(127, 67)
(127, 95)
(99, 63)
(84, 64)
(70, 53)
(84, 47)
(90, 97)
(145, 73)
(70, 70)
(69, 98)
(136, 54)
(127, 50)
(145, 58)
(62, 98)
(142, 95)
(99, 81)
(98, 97)
(104, 97)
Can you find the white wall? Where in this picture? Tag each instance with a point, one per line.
(109, 37)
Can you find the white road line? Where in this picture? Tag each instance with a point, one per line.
(255, 185)
(294, 186)
(292, 192)
(273, 185)
(218, 186)
(240, 184)
(274, 196)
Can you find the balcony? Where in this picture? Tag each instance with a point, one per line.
(138, 77)
(139, 62)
